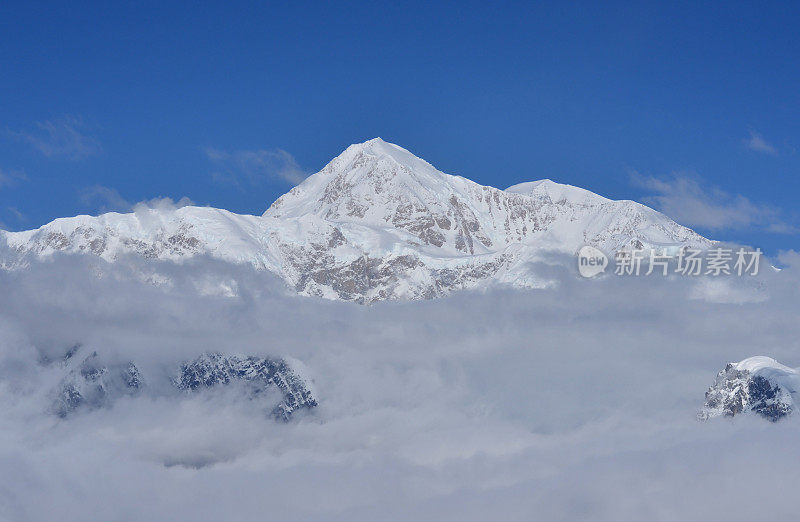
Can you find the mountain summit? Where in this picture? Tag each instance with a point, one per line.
(376, 222)
(379, 184)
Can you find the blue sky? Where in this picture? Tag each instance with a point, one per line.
(693, 109)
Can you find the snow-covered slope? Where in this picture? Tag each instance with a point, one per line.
(760, 385)
(381, 185)
(375, 223)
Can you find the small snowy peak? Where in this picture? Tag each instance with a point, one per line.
(758, 385)
(556, 192)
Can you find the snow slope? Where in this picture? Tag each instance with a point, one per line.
(375, 223)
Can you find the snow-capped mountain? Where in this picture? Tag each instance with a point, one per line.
(759, 385)
(375, 223)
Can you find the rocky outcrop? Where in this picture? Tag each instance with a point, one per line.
(94, 383)
(758, 385)
(213, 370)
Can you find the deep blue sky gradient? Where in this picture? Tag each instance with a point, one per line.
(584, 93)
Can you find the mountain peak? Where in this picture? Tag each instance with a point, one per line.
(392, 192)
(554, 191)
(377, 222)
(373, 141)
(379, 149)
(362, 176)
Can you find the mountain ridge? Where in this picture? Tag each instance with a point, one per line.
(376, 222)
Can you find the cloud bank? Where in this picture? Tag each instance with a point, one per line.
(576, 402)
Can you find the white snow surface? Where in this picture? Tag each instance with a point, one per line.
(772, 370)
(376, 222)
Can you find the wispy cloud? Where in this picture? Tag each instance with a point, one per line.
(687, 201)
(163, 204)
(757, 143)
(65, 137)
(10, 177)
(253, 166)
(107, 199)
(19, 216)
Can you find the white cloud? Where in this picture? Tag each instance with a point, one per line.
(64, 137)
(577, 403)
(107, 199)
(10, 177)
(757, 143)
(687, 201)
(253, 166)
(19, 216)
(164, 203)
(782, 228)
(790, 258)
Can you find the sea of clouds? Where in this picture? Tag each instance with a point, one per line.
(575, 402)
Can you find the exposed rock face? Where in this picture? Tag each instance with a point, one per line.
(757, 385)
(375, 223)
(93, 384)
(213, 369)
